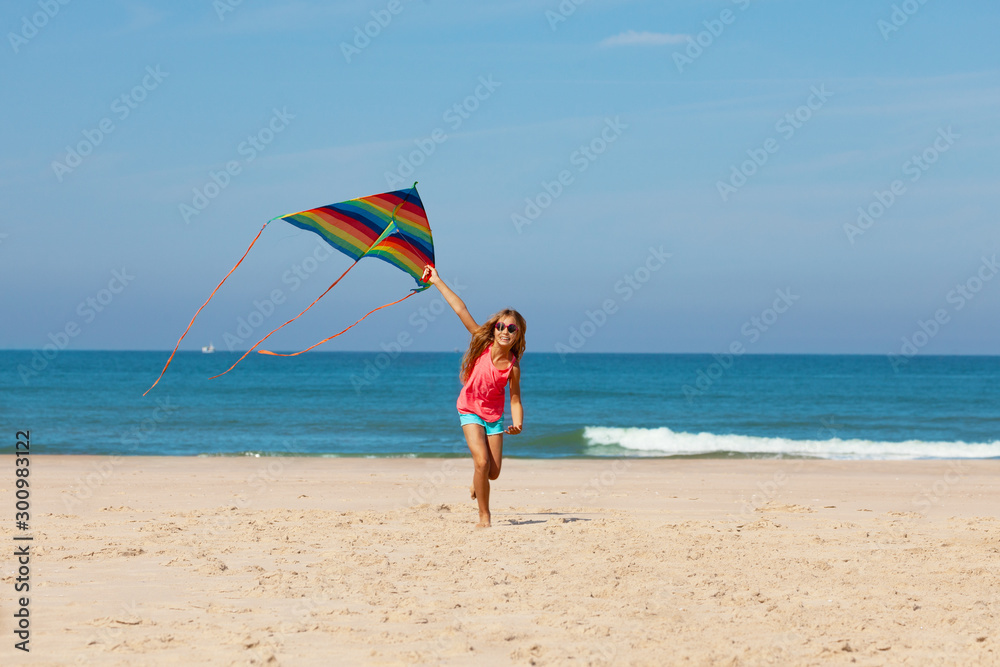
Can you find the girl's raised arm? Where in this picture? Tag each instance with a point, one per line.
(431, 276)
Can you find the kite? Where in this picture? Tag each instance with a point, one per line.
(391, 226)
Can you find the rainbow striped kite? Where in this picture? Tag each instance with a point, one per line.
(391, 226)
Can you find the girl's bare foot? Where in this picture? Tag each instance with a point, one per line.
(484, 521)
(472, 491)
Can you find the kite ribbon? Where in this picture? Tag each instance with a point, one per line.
(291, 320)
(206, 303)
(385, 233)
(295, 354)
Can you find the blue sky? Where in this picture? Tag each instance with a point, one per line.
(739, 138)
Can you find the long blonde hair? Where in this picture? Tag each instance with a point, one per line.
(484, 336)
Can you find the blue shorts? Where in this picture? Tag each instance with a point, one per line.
(492, 428)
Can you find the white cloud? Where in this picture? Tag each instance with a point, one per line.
(633, 38)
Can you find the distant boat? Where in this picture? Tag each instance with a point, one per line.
(209, 349)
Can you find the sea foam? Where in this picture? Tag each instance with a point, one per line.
(665, 442)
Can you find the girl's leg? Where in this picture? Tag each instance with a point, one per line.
(495, 454)
(495, 443)
(475, 437)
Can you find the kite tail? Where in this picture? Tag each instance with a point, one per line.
(206, 303)
(288, 322)
(295, 354)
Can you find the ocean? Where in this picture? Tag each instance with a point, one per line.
(576, 405)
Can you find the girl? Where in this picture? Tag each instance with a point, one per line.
(488, 365)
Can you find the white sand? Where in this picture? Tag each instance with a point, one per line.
(374, 561)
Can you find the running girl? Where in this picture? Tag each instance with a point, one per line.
(490, 363)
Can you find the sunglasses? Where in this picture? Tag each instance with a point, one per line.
(512, 328)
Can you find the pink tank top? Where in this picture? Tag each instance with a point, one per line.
(483, 392)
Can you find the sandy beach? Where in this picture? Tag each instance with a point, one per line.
(296, 561)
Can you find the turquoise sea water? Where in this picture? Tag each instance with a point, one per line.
(367, 404)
